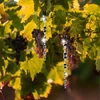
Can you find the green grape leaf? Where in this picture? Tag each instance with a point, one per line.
(1, 31)
(98, 52)
(3, 53)
(77, 27)
(97, 43)
(48, 5)
(12, 67)
(59, 19)
(28, 66)
(79, 48)
(1, 63)
(96, 2)
(64, 3)
(1, 1)
(5, 78)
(36, 4)
(16, 21)
(86, 44)
(50, 54)
(3, 48)
(26, 83)
(45, 90)
(34, 66)
(92, 52)
(42, 89)
(34, 18)
(97, 64)
(58, 7)
(56, 75)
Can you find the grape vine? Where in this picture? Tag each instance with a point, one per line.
(81, 20)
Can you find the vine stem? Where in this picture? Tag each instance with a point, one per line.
(2, 95)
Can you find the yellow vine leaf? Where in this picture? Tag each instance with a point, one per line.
(87, 25)
(3, 15)
(49, 24)
(47, 90)
(2, 9)
(17, 96)
(7, 29)
(27, 32)
(34, 66)
(35, 94)
(26, 10)
(76, 4)
(60, 65)
(56, 73)
(91, 8)
(16, 83)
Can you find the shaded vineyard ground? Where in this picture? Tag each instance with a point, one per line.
(87, 90)
(75, 94)
(8, 93)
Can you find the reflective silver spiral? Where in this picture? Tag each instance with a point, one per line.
(64, 43)
(44, 37)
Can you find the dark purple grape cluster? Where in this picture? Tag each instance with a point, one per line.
(73, 59)
(38, 35)
(19, 44)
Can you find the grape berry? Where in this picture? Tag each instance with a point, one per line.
(73, 59)
(19, 44)
(38, 35)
